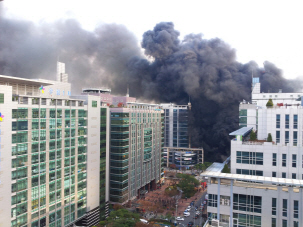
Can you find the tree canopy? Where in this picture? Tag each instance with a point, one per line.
(203, 166)
(188, 184)
(121, 217)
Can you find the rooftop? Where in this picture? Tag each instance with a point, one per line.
(215, 167)
(241, 132)
(19, 80)
(250, 178)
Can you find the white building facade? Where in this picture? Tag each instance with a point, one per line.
(49, 166)
(266, 180)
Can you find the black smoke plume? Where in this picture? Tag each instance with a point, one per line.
(169, 70)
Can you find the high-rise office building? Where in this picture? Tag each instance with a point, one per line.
(175, 125)
(136, 141)
(135, 150)
(50, 154)
(265, 184)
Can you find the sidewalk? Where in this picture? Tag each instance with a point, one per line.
(158, 199)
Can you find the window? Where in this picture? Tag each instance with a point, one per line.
(283, 160)
(296, 224)
(224, 200)
(284, 223)
(273, 222)
(246, 220)
(294, 160)
(274, 159)
(284, 211)
(212, 200)
(295, 138)
(286, 120)
(245, 157)
(94, 103)
(286, 137)
(274, 206)
(274, 174)
(296, 209)
(1, 98)
(295, 121)
(283, 175)
(278, 121)
(249, 172)
(293, 176)
(277, 136)
(247, 203)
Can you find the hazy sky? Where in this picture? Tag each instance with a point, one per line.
(258, 30)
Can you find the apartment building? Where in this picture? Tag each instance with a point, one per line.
(49, 154)
(266, 180)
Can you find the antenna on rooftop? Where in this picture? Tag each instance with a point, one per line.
(189, 104)
(127, 93)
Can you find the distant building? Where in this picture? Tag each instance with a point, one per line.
(175, 125)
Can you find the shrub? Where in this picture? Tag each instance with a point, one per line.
(270, 103)
(269, 138)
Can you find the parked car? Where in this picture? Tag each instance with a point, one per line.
(180, 219)
(186, 214)
(198, 212)
(187, 210)
(188, 207)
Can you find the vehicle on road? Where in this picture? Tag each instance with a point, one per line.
(196, 216)
(188, 207)
(180, 219)
(144, 221)
(206, 197)
(186, 214)
(198, 212)
(190, 223)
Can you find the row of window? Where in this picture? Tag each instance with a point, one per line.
(285, 207)
(245, 157)
(41, 112)
(295, 121)
(284, 160)
(295, 137)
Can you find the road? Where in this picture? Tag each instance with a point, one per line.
(197, 221)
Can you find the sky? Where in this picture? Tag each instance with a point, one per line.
(258, 30)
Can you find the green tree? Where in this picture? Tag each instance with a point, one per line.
(225, 169)
(270, 103)
(253, 135)
(269, 138)
(121, 217)
(188, 184)
(202, 166)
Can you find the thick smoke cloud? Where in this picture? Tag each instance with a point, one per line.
(171, 69)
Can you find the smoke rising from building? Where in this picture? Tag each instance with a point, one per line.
(167, 70)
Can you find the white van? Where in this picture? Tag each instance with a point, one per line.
(144, 221)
